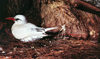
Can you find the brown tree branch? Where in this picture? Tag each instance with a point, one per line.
(76, 3)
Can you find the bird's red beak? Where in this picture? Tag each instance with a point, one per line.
(10, 18)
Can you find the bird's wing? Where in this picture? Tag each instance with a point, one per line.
(35, 28)
(31, 25)
(40, 29)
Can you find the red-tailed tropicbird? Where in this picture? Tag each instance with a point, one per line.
(25, 31)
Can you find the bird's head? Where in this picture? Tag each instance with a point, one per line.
(18, 19)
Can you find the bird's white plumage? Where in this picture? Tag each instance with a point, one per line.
(26, 31)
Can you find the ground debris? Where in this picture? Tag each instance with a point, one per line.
(56, 49)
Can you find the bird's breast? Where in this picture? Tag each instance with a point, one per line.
(20, 32)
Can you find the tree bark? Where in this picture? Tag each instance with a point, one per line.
(79, 23)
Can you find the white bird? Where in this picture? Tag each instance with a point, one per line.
(25, 31)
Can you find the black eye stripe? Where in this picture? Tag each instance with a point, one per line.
(17, 19)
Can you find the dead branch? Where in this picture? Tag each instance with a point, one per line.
(76, 3)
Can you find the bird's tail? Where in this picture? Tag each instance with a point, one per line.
(48, 29)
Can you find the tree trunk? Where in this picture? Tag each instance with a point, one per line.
(79, 23)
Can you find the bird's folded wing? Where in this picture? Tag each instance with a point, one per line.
(31, 25)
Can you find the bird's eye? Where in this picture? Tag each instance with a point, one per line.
(17, 19)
